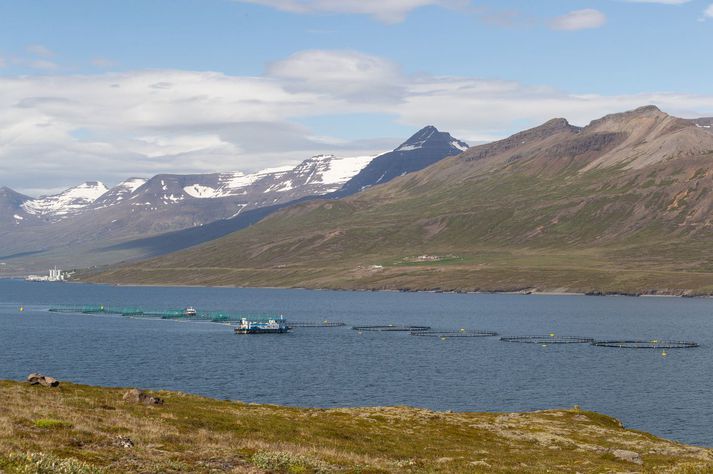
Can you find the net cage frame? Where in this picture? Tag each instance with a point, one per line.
(169, 313)
(454, 333)
(391, 328)
(548, 339)
(235, 317)
(316, 324)
(77, 308)
(646, 344)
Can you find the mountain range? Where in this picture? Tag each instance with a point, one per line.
(624, 204)
(92, 224)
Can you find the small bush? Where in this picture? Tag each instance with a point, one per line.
(51, 423)
(41, 463)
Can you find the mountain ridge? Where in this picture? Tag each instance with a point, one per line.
(624, 204)
(144, 217)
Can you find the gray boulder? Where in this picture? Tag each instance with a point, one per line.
(139, 396)
(44, 380)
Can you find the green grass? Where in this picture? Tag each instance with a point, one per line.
(196, 434)
(51, 423)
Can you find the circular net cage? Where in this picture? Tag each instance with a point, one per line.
(392, 328)
(315, 324)
(548, 339)
(458, 333)
(652, 344)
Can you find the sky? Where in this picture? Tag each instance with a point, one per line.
(111, 89)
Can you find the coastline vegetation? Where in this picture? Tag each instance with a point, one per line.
(81, 429)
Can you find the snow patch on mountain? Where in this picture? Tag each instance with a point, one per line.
(66, 202)
(238, 180)
(201, 192)
(341, 170)
(459, 145)
(132, 184)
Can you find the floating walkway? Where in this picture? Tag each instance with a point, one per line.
(459, 333)
(316, 324)
(391, 328)
(138, 312)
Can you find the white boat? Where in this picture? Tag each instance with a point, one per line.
(262, 326)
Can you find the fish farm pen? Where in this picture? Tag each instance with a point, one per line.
(249, 323)
(391, 328)
(211, 316)
(459, 333)
(653, 344)
(316, 324)
(548, 339)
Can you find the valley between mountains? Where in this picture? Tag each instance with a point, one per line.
(623, 205)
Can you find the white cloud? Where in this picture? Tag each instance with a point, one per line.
(63, 129)
(388, 11)
(579, 20)
(348, 73)
(40, 50)
(708, 12)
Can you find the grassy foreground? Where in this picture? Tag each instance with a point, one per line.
(83, 429)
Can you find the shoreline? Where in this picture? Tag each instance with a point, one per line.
(408, 290)
(525, 292)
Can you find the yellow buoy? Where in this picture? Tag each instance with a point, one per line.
(664, 354)
(552, 334)
(462, 330)
(443, 339)
(22, 308)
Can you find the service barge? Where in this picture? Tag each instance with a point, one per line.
(262, 326)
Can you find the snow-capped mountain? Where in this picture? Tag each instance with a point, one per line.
(67, 202)
(424, 148)
(90, 224)
(118, 193)
(318, 175)
(92, 214)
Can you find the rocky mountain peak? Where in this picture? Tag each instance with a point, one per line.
(624, 121)
(431, 137)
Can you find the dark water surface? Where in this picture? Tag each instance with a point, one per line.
(669, 396)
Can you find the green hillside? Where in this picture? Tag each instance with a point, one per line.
(622, 205)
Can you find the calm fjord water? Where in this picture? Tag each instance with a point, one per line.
(669, 396)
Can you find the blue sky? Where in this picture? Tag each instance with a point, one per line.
(111, 88)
